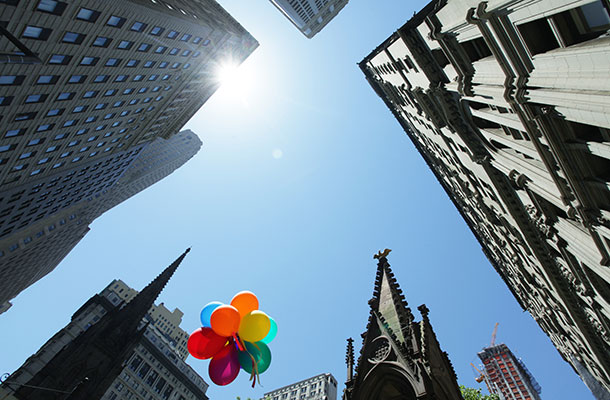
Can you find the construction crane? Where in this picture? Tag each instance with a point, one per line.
(481, 377)
(493, 335)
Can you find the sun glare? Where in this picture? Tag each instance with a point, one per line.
(235, 81)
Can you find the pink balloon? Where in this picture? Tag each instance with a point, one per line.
(224, 366)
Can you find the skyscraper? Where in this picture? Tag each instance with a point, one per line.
(98, 83)
(507, 102)
(310, 16)
(319, 387)
(34, 251)
(507, 376)
(125, 346)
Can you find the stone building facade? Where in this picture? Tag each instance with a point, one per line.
(98, 83)
(507, 102)
(319, 387)
(310, 16)
(152, 367)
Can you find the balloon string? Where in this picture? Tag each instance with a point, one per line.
(254, 375)
(240, 345)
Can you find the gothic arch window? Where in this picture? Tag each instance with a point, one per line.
(387, 382)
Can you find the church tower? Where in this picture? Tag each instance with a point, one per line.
(400, 358)
(85, 368)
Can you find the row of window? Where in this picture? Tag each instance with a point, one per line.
(85, 14)
(111, 170)
(39, 234)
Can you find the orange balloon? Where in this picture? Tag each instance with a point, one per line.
(225, 320)
(245, 302)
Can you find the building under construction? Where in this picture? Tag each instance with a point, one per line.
(507, 376)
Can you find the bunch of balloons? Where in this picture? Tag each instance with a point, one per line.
(234, 336)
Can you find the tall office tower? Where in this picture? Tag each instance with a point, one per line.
(400, 358)
(507, 376)
(507, 102)
(98, 83)
(149, 366)
(35, 250)
(310, 16)
(319, 387)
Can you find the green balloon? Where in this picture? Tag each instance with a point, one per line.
(261, 354)
(272, 332)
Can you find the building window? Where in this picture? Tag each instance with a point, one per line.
(112, 62)
(101, 41)
(90, 61)
(36, 32)
(25, 116)
(34, 142)
(14, 133)
(138, 26)
(115, 21)
(163, 64)
(7, 80)
(86, 14)
(172, 34)
(121, 78)
(149, 64)
(35, 98)
(47, 79)
(54, 112)
(197, 40)
(138, 78)
(77, 78)
(128, 91)
(110, 92)
(144, 47)
(51, 7)
(174, 51)
(132, 63)
(100, 78)
(206, 42)
(6, 100)
(186, 53)
(60, 59)
(186, 37)
(125, 45)
(90, 93)
(73, 37)
(65, 96)
(160, 49)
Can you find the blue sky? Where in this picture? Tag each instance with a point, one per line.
(303, 176)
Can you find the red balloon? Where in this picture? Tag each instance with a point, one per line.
(224, 366)
(205, 343)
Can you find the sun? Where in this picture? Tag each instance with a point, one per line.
(235, 80)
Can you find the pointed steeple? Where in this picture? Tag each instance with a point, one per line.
(389, 302)
(128, 318)
(88, 365)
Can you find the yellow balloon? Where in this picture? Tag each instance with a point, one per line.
(254, 326)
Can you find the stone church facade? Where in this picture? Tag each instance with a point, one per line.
(400, 358)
